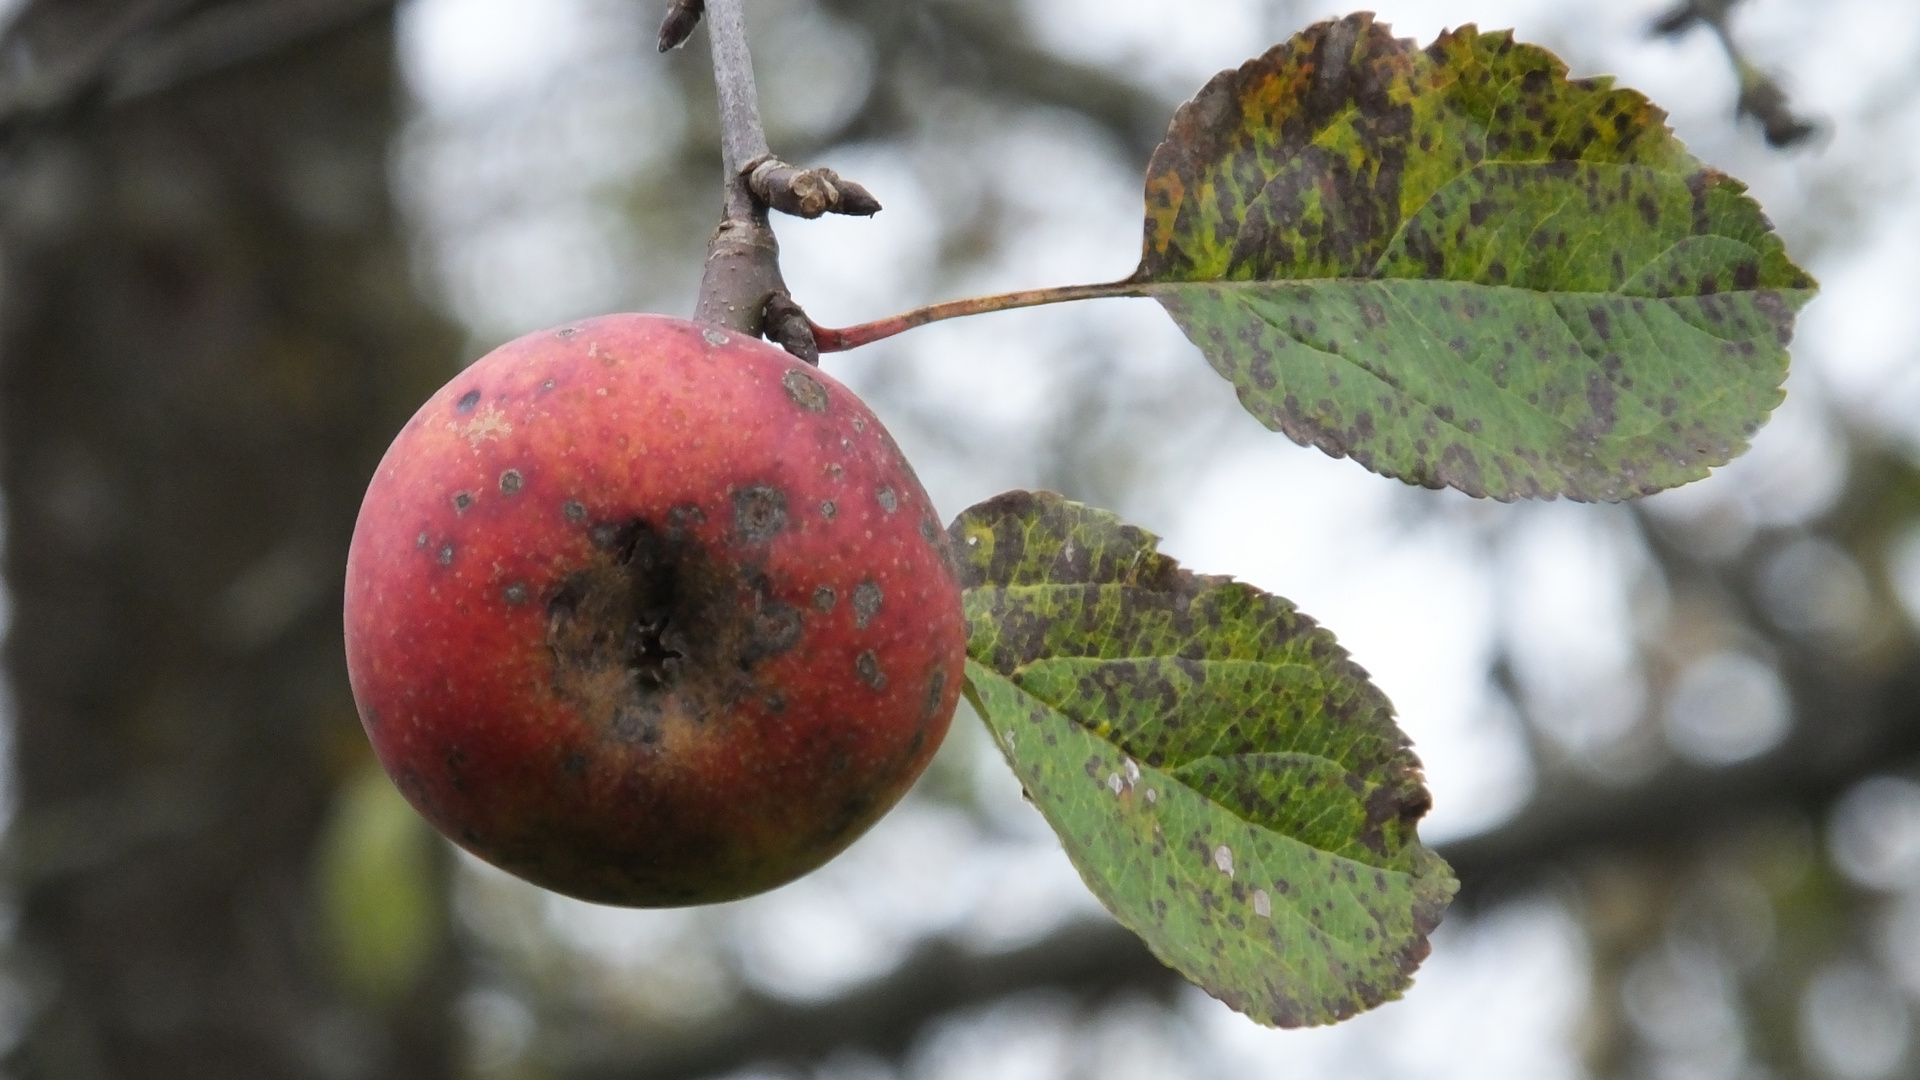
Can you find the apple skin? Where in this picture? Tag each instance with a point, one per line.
(650, 613)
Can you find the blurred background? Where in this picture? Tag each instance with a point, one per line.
(1673, 744)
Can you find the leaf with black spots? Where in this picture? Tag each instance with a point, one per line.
(1227, 781)
(1461, 268)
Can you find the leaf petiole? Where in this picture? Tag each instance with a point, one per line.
(831, 340)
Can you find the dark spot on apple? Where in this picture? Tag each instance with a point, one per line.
(462, 500)
(776, 703)
(467, 401)
(888, 501)
(654, 632)
(510, 481)
(936, 693)
(868, 668)
(420, 541)
(446, 555)
(565, 332)
(575, 764)
(852, 813)
(866, 603)
(637, 722)
(759, 512)
(828, 510)
(776, 628)
(573, 511)
(823, 598)
(805, 391)
(516, 593)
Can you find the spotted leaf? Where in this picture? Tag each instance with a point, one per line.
(1461, 268)
(1227, 781)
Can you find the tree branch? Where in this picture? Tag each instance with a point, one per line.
(743, 257)
(1760, 96)
(742, 138)
(153, 46)
(1086, 960)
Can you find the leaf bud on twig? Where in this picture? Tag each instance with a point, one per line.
(788, 327)
(682, 17)
(807, 193)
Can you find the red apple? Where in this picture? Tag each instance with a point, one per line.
(649, 613)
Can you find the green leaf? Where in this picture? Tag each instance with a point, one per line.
(1228, 783)
(1461, 268)
(380, 894)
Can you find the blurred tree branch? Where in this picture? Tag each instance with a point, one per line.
(984, 47)
(1088, 961)
(61, 58)
(1760, 96)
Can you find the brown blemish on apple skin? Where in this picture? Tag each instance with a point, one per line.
(467, 402)
(776, 629)
(824, 597)
(828, 510)
(888, 501)
(866, 603)
(759, 513)
(867, 666)
(462, 500)
(936, 696)
(446, 555)
(510, 482)
(573, 511)
(654, 639)
(805, 391)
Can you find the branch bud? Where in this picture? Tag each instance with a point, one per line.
(807, 193)
(1762, 99)
(788, 327)
(682, 17)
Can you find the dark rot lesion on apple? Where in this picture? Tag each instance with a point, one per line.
(759, 512)
(655, 638)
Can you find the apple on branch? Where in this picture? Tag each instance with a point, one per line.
(651, 613)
